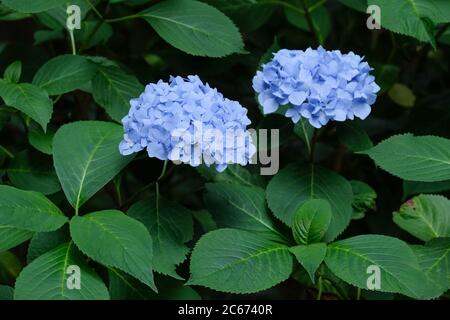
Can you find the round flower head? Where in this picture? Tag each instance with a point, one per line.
(188, 121)
(318, 85)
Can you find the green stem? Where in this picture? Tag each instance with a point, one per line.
(319, 294)
(133, 16)
(316, 5)
(72, 42)
(358, 294)
(310, 21)
(7, 152)
(163, 172)
(289, 6)
(94, 9)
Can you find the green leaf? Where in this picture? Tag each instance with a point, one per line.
(237, 206)
(27, 6)
(400, 272)
(415, 187)
(28, 210)
(194, 27)
(86, 158)
(205, 219)
(171, 226)
(28, 171)
(294, 185)
(40, 140)
(13, 72)
(425, 217)
(310, 257)
(10, 266)
(56, 18)
(311, 222)
(410, 17)
(238, 261)
(42, 36)
(113, 89)
(351, 134)
(87, 39)
(64, 73)
(424, 158)
(434, 258)
(11, 237)
(28, 98)
(7, 14)
(402, 95)
(249, 15)
(42, 242)
(364, 198)
(6, 293)
(115, 240)
(46, 278)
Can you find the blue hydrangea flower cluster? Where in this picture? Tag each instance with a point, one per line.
(189, 122)
(318, 85)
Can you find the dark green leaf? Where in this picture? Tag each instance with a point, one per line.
(239, 261)
(171, 227)
(46, 278)
(294, 185)
(194, 27)
(115, 240)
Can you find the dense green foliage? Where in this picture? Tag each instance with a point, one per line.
(349, 196)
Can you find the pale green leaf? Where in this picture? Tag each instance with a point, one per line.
(402, 95)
